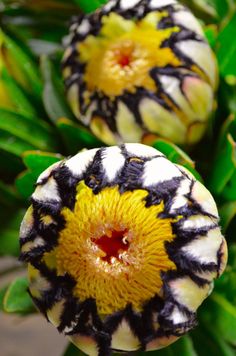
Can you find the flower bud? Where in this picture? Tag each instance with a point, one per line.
(136, 70)
(122, 248)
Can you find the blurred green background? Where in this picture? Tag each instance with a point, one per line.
(37, 128)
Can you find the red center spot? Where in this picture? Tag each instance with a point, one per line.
(113, 245)
(124, 60)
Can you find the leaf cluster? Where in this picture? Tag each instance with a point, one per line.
(37, 128)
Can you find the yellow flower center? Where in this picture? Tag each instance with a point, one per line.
(114, 248)
(124, 53)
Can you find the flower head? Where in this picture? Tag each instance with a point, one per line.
(135, 70)
(122, 247)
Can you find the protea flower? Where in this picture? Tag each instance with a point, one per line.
(122, 247)
(135, 70)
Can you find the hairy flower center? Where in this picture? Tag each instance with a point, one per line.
(112, 245)
(124, 60)
(124, 53)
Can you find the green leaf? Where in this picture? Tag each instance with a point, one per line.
(222, 178)
(222, 7)
(229, 192)
(184, 347)
(232, 258)
(20, 66)
(9, 231)
(227, 99)
(224, 166)
(76, 137)
(9, 243)
(202, 8)
(8, 195)
(36, 132)
(176, 155)
(25, 184)
(226, 52)
(227, 213)
(36, 162)
(225, 285)
(228, 127)
(13, 145)
(211, 33)
(89, 6)
(222, 315)
(10, 166)
(209, 343)
(72, 350)
(2, 294)
(53, 92)
(12, 96)
(17, 299)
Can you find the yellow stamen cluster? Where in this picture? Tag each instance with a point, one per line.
(122, 61)
(135, 274)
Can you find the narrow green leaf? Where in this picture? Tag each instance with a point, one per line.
(184, 347)
(25, 184)
(207, 344)
(12, 96)
(17, 299)
(227, 98)
(222, 7)
(8, 195)
(13, 144)
(228, 174)
(227, 213)
(76, 137)
(223, 346)
(224, 166)
(9, 231)
(36, 162)
(226, 53)
(225, 285)
(228, 127)
(36, 132)
(72, 350)
(232, 258)
(229, 191)
(89, 6)
(202, 8)
(53, 92)
(20, 65)
(9, 243)
(10, 166)
(211, 33)
(2, 294)
(221, 314)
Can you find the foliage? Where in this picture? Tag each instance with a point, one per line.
(37, 129)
